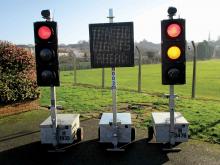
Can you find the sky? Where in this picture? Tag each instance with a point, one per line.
(74, 16)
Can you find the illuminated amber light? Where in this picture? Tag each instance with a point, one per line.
(173, 30)
(174, 52)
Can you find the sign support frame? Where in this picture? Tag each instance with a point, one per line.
(53, 113)
(114, 94)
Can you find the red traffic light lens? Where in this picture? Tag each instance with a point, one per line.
(173, 30)
(44, 32)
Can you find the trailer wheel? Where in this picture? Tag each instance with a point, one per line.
(79, 134)
(150, 132)
(132, 133)
(99, 134)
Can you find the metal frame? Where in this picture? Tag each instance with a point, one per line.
(172, 109)
(114, 109)
(114, 94)
(53, 113)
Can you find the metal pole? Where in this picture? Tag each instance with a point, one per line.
(114, 94)
(139, 70)
(194, 70)
(53, 112)
(114, 101)
(172, 119)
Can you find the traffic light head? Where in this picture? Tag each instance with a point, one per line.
(46, 54)
(173, 51)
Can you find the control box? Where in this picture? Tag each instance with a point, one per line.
(161, 126)
(123, 128)
(67, 125)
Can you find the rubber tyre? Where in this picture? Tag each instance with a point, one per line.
(150, 132)
(79, 134)
(132, 133)
(99, 134)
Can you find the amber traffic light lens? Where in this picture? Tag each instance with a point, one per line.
(174, 52)
(46, 55)
(44, 32)
(173, 30)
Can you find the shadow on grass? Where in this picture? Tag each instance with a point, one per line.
(86, 152)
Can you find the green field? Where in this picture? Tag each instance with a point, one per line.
(88, 99)
(208, 79)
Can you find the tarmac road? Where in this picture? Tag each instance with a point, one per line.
(24, 148)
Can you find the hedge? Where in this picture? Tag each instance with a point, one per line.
(17, 74)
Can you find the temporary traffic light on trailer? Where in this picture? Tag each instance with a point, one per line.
(171, 127)
(57, 128)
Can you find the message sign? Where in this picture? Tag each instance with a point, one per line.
(112, 44)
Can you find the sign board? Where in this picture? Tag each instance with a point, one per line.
(111, 44)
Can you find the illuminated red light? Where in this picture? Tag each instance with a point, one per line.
(44, 32)
(173, 30)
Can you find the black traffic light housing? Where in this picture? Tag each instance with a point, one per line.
(173, 45)
(46, 53)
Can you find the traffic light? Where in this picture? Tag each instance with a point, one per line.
(46, 45)
(173, 51)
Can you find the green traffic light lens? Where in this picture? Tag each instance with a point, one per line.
(47, 76)
(174, 52)
(174, 74)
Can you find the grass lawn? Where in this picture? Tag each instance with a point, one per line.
(208, 79)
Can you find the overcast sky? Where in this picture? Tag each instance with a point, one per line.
(73, 17)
